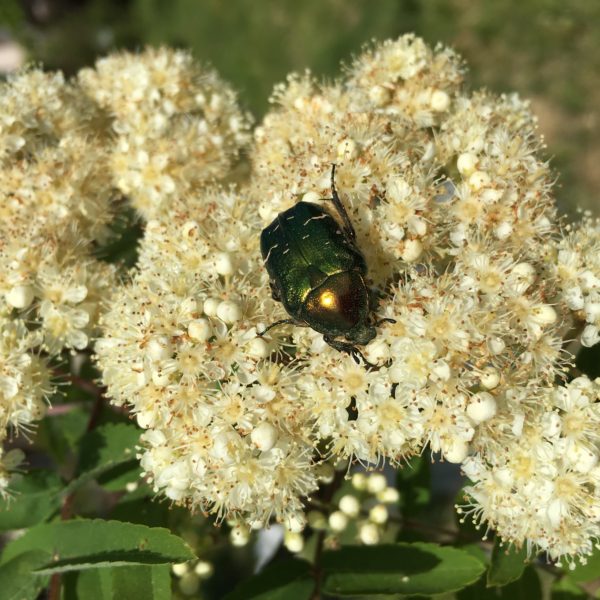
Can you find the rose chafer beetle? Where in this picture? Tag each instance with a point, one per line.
(318, 273)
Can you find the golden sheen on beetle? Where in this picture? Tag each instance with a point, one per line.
(318, 273)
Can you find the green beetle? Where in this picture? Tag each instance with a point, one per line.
(318, 273)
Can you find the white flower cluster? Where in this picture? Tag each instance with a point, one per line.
(577, 269)
(537, 478)
(453, 211)
(55, 203)
(180, 345)
(62, 168)
(178, 125)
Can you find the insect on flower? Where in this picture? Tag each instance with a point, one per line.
(318, 273)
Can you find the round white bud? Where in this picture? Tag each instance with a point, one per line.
(525, 271)
(295, 522)
(440, 101)
(264, 436)
(369, 534)
(503, 230)
(189, 306)
(239, 535)
(389, 496)
(378, 514)
(338, 521)
(479, 179)
(489, 378)
(190, 229)
(159, 348)
(203, 569)
(543, 314)
(551, 424)
(160, 378)
(379, 95)
(200, 330)
(573, 297)
(229, 312)
(412, 250)
(223, 263)
(466, 163)
(496, 345)
(347, 148)
(349, 505)
(179, 569)
(210, 306)
(456, 450)
(258, 348)
(20, 296)
(359, 481)
(582, 458)
(293, 541)
(376, 483)
(377, 351)
(481, 407)
(590, 336)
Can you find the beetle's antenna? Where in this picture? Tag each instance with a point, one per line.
(276, 324)
(340, 207)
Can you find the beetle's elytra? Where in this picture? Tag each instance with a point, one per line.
(318, 273)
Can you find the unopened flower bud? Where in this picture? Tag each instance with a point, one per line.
(369, 534)
(264, 436)
(229, 312)
(481, 407)
(378, 514)
(20, 296)
(440, 101)
(293, 541)
(359, 481)
(376, 483)
(239, 535)
(338, 521)
(349, 505)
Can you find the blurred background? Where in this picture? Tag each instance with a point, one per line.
(546, 50)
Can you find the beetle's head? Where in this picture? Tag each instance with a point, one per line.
(362, 334)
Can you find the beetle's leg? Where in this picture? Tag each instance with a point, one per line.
(384, 320)
(350, 349)
(276, 324)
(274, 292)
(348, 227)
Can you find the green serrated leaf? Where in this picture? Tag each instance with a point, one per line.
(17, 579)
(111, 443)
(93, 543)
(283, 580)
(61, 434)
(108, 449)
(35, 497)
(508, 564)
(147, 582)
(418, 568)
(151, 583)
